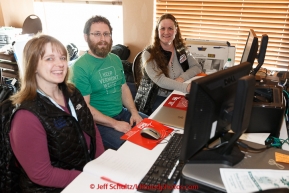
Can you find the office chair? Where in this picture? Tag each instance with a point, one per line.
(146, 89)
(32, 25)
(136, 69)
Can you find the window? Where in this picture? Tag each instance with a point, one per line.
(230, 20)
(65, 21)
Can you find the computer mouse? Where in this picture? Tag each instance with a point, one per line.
(150, 133)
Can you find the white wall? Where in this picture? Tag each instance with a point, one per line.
(138, 24)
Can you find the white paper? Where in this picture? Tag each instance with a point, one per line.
(253, 180)
(120, 167)
(255, 137)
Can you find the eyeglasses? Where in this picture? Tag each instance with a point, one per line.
(98, 34)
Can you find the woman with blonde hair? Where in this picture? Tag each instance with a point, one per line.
(53, 134)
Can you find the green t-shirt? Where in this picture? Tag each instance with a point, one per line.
(102, 79)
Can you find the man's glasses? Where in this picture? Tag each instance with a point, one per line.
(98, 34)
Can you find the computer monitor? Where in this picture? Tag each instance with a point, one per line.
(251, 48)
(262, 53)
(215, 101)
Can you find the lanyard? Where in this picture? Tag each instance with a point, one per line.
(57, 105)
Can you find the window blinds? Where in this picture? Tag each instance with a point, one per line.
(230, 20)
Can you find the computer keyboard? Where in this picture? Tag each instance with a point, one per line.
(166, 170)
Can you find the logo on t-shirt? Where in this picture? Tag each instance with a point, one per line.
(108, 79)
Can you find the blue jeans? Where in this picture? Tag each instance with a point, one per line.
(158, 102)
(111, 137)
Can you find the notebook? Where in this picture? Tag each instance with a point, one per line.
(208, 175)
(173, 111)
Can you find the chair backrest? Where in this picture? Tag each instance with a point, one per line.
(32, 25)
(136, 69)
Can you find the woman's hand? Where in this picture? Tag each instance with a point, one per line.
(179, 79)
(188, 88)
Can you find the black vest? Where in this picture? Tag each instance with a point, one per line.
(181, 55)
(66, 143)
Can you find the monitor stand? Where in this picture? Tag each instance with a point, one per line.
(228, 154)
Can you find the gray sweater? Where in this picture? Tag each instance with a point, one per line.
(175, 71)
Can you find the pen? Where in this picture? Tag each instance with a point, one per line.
(111, 181)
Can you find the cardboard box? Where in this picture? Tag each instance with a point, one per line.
(212, 57)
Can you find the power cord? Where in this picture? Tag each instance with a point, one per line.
(245, 146)
(276, 142)
(217, 146)
(286, 96)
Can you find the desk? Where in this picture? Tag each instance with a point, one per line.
(144, 157)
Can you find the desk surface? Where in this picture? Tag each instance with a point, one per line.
(145, 158)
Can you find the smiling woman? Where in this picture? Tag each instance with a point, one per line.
(167, 63)
(56, 123)
(65, 20)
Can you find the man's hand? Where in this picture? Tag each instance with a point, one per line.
(135, 118)
(122, 126)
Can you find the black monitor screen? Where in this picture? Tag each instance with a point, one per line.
(210, 108)
(251, 48)
(262, 53)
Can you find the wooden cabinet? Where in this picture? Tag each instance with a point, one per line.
(14, 12)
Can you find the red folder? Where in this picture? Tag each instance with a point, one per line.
(177, 101)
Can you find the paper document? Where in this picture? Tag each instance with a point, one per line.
(253, 180)
(123, 171)
(255, 137)
(121, 168)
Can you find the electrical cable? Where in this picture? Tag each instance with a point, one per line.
(217, 146)
(244, 145)
(286, 96)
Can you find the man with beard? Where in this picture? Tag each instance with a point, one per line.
(99, 76)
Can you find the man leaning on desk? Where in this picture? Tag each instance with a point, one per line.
(99, 76)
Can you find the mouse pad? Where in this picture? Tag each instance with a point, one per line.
(134, 135)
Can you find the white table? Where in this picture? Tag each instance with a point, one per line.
(144, 157)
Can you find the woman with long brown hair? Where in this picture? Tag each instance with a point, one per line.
(167, 61)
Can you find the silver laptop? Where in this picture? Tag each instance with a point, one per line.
(171, 117)
(209, 174)
(172, 112)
